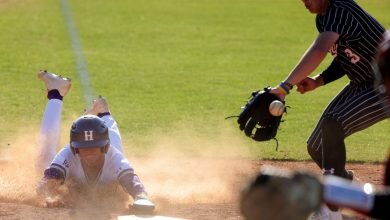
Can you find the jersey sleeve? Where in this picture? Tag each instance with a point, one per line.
(126, 176)
(333, 72)
(341, 21)
(61, 161)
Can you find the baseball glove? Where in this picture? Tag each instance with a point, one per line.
(256, 120)
(276, 194)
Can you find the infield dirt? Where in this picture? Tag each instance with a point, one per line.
(191, 188)
(202, 187)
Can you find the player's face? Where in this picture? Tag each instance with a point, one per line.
(314, 6)
(91, 157)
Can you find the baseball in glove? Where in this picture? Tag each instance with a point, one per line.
(256, 119)
(277, 194)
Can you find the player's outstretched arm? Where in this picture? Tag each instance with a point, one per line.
(49, 188)
(132, 184)
(50, 191)
(312, 58)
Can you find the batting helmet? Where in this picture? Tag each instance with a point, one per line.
(89, 131)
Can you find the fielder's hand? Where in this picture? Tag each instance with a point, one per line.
(308, 84)
(256, 119)
(276, 91)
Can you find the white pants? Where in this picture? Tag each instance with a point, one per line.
(49, 134)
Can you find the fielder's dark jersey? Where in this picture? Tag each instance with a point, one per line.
(360, 35)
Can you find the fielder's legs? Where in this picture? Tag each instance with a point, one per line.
(354, 109)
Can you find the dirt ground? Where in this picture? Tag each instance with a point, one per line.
(180, 187)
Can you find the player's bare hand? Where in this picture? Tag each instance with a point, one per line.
(56, 202)
(48, 187)
(278, 93)
(142, 205)
(307, 84)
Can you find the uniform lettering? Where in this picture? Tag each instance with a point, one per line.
(66, 163)
(88, 135)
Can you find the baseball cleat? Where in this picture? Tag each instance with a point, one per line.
(347, 174)
(350, 175)
(98, 106)
(54, 81)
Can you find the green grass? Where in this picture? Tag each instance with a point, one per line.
(172, 70)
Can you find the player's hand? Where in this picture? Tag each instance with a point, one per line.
(142, 204)
(278, 92)
(56, 202)
(308, 84)
(48, 187)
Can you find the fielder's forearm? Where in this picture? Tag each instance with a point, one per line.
(319, 81)
(312, 57)
(309, 62)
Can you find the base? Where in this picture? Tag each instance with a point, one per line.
(145, 217)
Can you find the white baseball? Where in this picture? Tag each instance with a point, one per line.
(276, 108)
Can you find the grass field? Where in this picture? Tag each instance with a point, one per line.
(172, 70)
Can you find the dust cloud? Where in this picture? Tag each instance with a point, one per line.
(186, 168)
(182, 168)
(18, 175)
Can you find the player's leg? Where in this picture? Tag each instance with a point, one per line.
(114, 134)
(49, 135)
(314, 142)
(361, 109)
(100, 108)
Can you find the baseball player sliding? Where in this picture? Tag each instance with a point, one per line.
(92, 162)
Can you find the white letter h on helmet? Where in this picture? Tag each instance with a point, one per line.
(88, 135)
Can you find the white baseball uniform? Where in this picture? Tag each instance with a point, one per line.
(116, 169)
